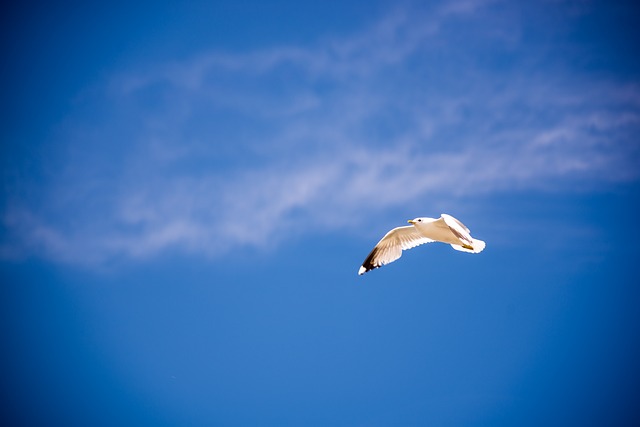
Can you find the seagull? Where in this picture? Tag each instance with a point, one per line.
(445, 229)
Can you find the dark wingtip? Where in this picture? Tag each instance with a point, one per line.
(368, 265)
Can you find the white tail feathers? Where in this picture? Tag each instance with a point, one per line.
(478, 246)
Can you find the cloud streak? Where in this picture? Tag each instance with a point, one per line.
(229, 150)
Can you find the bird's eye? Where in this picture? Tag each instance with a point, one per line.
(419, 220)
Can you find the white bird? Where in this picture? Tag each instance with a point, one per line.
(445, 229)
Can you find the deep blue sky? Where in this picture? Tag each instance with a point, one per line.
(188, 192)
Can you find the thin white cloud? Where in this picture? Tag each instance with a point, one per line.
(246, 149)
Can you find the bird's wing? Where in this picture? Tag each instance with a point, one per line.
(451, 220)
(458, 229)
(390, 247)
(461, 232)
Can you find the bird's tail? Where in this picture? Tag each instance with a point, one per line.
(477, 247)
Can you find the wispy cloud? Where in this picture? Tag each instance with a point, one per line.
(226, 150)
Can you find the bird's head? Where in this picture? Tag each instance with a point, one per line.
(420, 220)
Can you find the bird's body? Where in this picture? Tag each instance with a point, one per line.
(445, 229)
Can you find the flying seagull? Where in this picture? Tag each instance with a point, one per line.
(445, 229)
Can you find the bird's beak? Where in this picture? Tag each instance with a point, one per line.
(411, 221)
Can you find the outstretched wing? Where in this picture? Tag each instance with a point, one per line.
(390, 247)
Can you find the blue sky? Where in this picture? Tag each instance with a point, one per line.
(189, 190)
